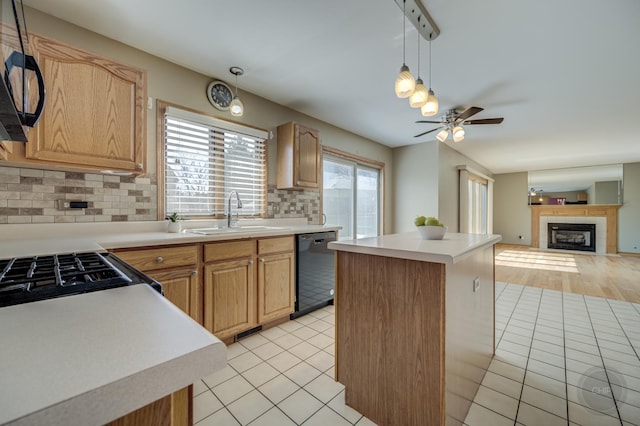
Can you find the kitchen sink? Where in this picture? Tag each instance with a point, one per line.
(215, 231)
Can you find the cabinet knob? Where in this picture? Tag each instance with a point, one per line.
(194, 273)
(159, 259)
(139, 166)
(251, 262)
(262, 260)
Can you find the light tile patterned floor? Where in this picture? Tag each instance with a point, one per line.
(561, 359)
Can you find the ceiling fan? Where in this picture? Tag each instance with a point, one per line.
(453, 121)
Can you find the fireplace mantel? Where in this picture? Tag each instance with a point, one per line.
(578, 210)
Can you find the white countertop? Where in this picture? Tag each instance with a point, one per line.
(90, 358)
(408, 245)
(46, 239)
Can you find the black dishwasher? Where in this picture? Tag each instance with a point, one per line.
(315, 272)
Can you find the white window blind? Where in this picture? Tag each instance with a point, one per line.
(207, 158)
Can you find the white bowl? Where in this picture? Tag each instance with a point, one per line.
(432, 232)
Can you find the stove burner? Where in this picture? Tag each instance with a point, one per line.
(34, 278)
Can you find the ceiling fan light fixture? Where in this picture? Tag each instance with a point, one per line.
(442, 135)
(430, 108)
(405, 83)
(419, 96)
(458, 133)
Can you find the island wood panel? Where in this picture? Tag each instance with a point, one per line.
(390, 338)
(580, 210)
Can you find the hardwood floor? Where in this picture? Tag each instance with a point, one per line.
(612, 277)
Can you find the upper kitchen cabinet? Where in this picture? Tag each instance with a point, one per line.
(94, 117)
(299, 161)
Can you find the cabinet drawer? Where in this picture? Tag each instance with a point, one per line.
(160, 258)
(275, 245)
(228, 250)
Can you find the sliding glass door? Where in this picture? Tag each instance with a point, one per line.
(351, 197)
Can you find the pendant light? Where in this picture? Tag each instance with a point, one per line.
(431, 106)
(405, 84)
(236, 107)
(419, 95)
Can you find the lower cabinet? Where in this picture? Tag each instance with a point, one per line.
(181, 288)
(238, 296)
(230, 295)
(172, 410)
(276, 272)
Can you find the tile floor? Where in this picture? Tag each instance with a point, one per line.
(561, 359)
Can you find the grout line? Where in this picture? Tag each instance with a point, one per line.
(526, 367)
(564, 348)
(623, 330)
(604, 366)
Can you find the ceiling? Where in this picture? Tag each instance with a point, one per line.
(564, 74)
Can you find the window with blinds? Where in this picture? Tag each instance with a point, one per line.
(206, 159)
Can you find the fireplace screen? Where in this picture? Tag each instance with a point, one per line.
(572, 236)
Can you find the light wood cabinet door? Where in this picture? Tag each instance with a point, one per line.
(95, 115)
(299, 160)
(276, 291)
(229, 297)
(181, 288)
(307, 157)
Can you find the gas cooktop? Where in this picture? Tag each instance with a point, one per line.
(29, 279)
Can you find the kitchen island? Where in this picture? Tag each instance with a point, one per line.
(414, 325)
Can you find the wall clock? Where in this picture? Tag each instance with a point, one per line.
(219, 94)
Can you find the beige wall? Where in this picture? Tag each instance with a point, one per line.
(415, 184)
(173, 83)
(629, 213)
(449, 184)
(511, 214)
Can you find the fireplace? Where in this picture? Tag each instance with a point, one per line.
(572, 236)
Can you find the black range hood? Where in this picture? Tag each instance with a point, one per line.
(17, 72)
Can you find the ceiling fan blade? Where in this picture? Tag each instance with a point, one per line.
(427, 132)
(468, 113)
(485, 121)
(427, 121)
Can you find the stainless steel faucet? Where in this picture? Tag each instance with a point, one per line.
(238, 205)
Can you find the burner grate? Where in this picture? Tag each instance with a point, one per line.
(42, 277)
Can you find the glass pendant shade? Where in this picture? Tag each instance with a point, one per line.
(405, 83)
(419, 95)
(442, 135)
(236, 107)
(430, 108)
(458, 133)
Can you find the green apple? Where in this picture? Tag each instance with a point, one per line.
(420, 220)
(432, 221)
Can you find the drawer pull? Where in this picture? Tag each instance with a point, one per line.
(159, 259)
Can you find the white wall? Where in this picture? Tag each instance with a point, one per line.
(415, 184)
(511, 214)
(629, 213)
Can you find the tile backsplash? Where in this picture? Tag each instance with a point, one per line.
(33, 196)
(287, 203)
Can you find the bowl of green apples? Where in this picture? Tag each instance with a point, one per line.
(430, 228)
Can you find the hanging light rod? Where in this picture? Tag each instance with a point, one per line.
(426, 26)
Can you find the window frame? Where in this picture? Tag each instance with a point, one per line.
(161, 109)
(352, 158)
